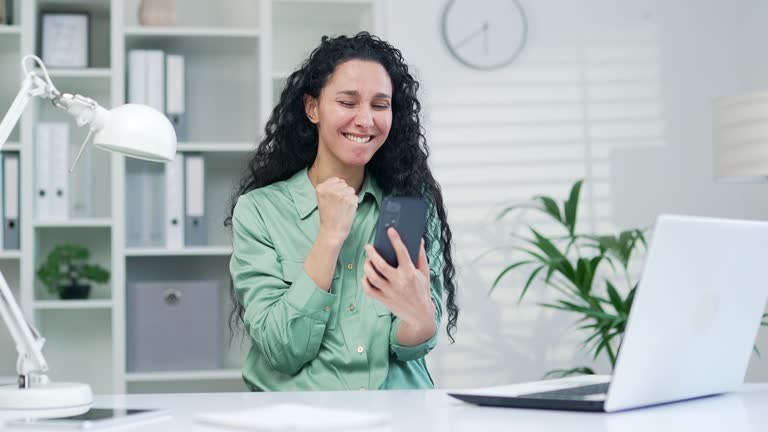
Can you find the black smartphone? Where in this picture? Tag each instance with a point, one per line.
(408, 215)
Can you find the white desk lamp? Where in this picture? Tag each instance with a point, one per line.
(740, 138)
(133, 130)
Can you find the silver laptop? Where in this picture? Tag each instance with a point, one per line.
(691, 329)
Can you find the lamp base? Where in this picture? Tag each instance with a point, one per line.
(43, 398)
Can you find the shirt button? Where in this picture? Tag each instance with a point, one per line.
(327, 308)
(351, 307)
(360, 349)
(349, 266)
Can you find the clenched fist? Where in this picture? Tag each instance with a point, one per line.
(337, 204)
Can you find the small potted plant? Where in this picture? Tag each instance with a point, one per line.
(65, 272)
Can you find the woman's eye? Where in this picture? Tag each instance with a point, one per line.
(381, 107)
(346, 104)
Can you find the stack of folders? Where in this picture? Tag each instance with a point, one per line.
(166, 207)
(165, 203)
(157, 79)
(9, 173)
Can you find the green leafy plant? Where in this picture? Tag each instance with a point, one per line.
(586, 270)
(66, 266)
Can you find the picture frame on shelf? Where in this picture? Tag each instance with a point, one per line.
(65, 39)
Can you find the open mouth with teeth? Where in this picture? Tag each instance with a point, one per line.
(357, 139)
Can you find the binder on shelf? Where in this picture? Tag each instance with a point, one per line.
(81, 187)
(59, 169)
(195, 223)
(11, 201)
(51, 176)
(137, 76)
(144, 204)
(175, 94)
(133, 203)
(174, 203)
(155, 96)
(43, 194)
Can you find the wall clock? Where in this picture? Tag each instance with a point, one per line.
(484, 34)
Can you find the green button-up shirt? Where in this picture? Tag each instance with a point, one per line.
(304, 338)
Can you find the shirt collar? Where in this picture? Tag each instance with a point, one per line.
(305, 198)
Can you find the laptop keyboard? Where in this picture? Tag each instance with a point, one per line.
(567, 393)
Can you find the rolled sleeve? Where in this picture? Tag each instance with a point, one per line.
(308, 299)
(286, 319)
(407, 353)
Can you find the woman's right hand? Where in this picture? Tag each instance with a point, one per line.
(337, 204)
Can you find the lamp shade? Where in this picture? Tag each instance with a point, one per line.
(137, 131)
(740, 137)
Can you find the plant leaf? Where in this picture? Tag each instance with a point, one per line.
(528, 283)
(557, 260)
(511, 208)
(549, 206)
(505, 271)
(616, 300)
(570, 207)
(562, 373)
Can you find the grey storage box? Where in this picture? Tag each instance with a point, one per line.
(173, 326)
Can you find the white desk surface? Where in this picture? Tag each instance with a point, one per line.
(434, 410)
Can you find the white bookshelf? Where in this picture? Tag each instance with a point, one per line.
(80, 73)
(237, 56)
(190, 32)
(10, 254)
(212, 147)
(72, 304)
(75, 223)
(200, 375)
(10, 30)
(187, 251)
(10, 260)
(327, 2)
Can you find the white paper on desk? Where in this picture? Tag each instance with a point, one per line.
(293, 417)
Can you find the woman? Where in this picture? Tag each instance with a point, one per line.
(322, 308)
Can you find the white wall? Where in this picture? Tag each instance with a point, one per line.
(616, 92)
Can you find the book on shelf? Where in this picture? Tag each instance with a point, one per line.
(144, 203)
(10, 177)
(195, 224)
(174, 203)
(51, 166)
(158, 79)
(175, 94)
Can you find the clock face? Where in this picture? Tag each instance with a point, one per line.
(484, 34)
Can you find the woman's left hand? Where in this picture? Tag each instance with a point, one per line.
(405, 290)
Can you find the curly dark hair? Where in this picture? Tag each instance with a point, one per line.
(399, 166)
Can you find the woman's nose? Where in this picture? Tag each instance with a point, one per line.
(364, 117)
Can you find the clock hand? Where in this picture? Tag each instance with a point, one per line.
(464, 41)
(485, 37)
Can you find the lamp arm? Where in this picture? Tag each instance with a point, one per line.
(29, 343)
(31, 364)
(14, 112)
(33, 85)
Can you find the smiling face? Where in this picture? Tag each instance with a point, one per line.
(353, 113)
